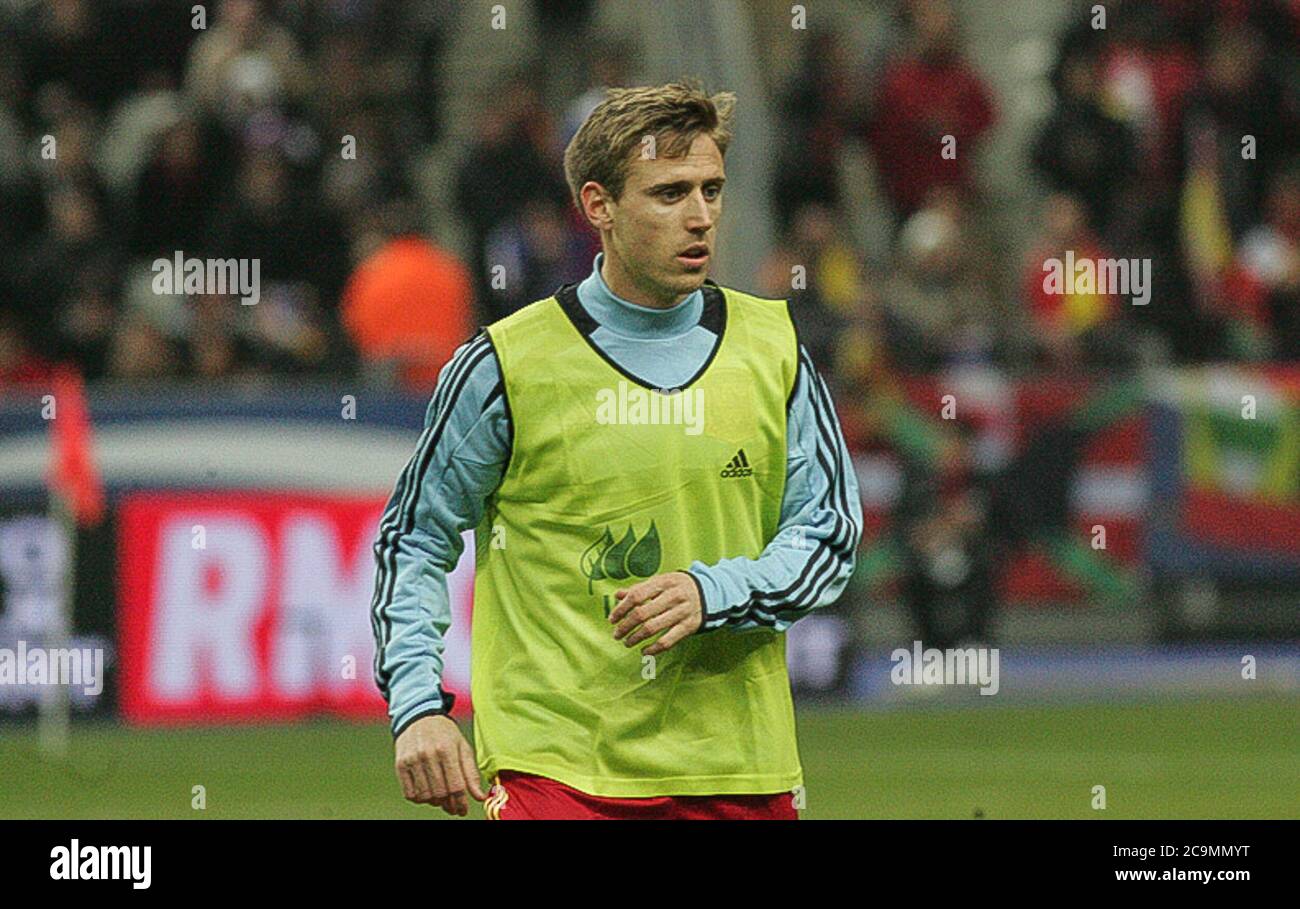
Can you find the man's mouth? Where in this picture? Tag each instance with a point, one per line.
(695, 255)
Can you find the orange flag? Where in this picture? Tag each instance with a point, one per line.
(72, 473)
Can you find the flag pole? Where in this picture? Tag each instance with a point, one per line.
(76, 499)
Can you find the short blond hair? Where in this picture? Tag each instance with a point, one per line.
(675, 114)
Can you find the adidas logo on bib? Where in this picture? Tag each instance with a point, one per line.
(737, 467)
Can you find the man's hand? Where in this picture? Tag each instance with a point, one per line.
(436, 765)
(667, 602)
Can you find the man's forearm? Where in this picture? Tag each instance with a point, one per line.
(811, 558)
(803, 568)
(457, 463)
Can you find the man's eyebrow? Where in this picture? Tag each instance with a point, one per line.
(683, 184)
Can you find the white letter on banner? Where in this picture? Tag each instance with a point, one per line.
(324, 606)
(198, 616)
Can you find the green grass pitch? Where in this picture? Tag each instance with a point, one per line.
(1232, 758)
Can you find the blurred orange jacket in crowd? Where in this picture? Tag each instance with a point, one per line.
(412, 303)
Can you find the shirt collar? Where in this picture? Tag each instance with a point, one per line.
(626, 318)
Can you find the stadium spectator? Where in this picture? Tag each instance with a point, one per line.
(59, 268)
(508, 166)
(409, 305)
(1146, 74)
(928, 95)
(1235, 98)
(174, 194)
(1081, 149)
(819, 109)
(940, 299)
(64, 54)
(817, 269)
(949, 557)
(562, 27)
(608, 66)
(246, 61)
(268, 215)
(215, 348)
(1073, 327)
(379, 55)
(536, 251)
(141, 351)
(1264, 280)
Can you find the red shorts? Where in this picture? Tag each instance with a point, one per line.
(525, 797)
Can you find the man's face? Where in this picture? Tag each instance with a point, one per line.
(664, 226)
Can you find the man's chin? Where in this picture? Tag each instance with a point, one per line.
(678, 285)
(687, 281)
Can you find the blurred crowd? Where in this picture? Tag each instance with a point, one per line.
(1173, 138)
(131, 132)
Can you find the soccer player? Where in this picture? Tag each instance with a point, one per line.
(659, 487)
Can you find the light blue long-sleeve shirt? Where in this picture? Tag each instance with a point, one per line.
(464, 449)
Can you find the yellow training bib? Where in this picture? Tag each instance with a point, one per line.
(611, 482)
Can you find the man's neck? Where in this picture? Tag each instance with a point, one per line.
(622, 316)
(618, 281)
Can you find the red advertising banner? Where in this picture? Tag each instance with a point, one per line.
(248, 606)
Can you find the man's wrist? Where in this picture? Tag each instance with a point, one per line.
(447, 700)
(704, 600)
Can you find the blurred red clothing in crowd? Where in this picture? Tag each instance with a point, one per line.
(922, 100)
(411, 303)
(1067, 311)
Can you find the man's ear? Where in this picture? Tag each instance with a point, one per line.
(597, 205)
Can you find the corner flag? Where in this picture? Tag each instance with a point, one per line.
(72, 475)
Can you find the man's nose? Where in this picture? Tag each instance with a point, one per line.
(698, 215)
